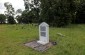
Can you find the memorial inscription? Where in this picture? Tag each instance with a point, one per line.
(43, 28)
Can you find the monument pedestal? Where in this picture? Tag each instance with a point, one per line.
(41, 42)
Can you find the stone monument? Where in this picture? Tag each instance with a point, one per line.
(43, 43)
(43, 33)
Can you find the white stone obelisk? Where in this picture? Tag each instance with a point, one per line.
(43, 33)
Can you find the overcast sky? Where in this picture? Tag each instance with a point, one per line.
(17, 4)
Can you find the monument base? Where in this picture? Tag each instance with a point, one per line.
(41, 42)
(38, 46)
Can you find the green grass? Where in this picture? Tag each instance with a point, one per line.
(13, 37)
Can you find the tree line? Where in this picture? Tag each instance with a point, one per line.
(55, 12)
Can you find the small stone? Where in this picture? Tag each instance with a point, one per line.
(54, 43)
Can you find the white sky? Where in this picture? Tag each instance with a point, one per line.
(17, 4)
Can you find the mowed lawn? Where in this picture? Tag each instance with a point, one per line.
(13, 37)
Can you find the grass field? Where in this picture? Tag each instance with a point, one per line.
(13, 37)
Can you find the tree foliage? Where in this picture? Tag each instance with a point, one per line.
(11, 20)
(32, 10)
(80, 16)
(2, 18)
(10, 12)
(27, 17)
(9, 9)
(57, 12)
